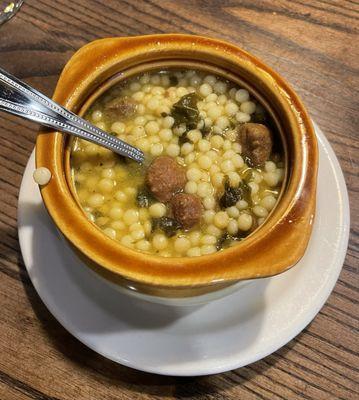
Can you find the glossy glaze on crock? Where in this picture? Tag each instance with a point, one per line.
(275, 246)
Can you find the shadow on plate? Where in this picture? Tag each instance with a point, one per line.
(120, 377)
(48, 252)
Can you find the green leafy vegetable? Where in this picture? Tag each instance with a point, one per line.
(168, 225)
(183, 139)
(246, 192)
(144, 197)
(233, 194)
(248, 161)
(185, 111)
(226, 239)
(223, 241)
(206, 130)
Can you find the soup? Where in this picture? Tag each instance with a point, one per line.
(213, 170)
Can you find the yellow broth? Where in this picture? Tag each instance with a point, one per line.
(108, 186)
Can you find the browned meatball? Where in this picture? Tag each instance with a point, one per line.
(187, 209)
(123, 107)
(256, 141)
(165, 177)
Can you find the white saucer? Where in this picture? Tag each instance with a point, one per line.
(225, 334)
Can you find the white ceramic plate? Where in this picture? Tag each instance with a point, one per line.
(225, 334)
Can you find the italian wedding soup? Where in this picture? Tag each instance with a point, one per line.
(212, 174)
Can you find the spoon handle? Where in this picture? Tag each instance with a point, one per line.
(9, 10)
(18, 98)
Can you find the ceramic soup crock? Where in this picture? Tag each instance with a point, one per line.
(277, 245)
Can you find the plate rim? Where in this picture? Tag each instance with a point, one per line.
(227, 365)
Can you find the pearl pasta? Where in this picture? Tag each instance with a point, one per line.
(42, 176)
(114, 192)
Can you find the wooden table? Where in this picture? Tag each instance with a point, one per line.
(311, 43)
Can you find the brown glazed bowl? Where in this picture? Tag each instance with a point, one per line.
(274, 247)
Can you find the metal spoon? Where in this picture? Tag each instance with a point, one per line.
(8, 9)
(18, 98)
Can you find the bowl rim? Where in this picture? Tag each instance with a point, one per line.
(169, 65)
(291, 222)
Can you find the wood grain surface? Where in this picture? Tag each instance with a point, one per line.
(312, 43)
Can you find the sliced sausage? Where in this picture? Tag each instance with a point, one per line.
(256, 141)
(187, 209)
(121, 107)
(165, 177)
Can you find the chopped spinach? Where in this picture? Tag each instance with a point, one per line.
(168, 225)
(183, 139)
(248, 161)
(230, 197)
(225, 240)
(185, 111)
(233, 194)
(206, 130)
(246, 192)
(144, 197)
